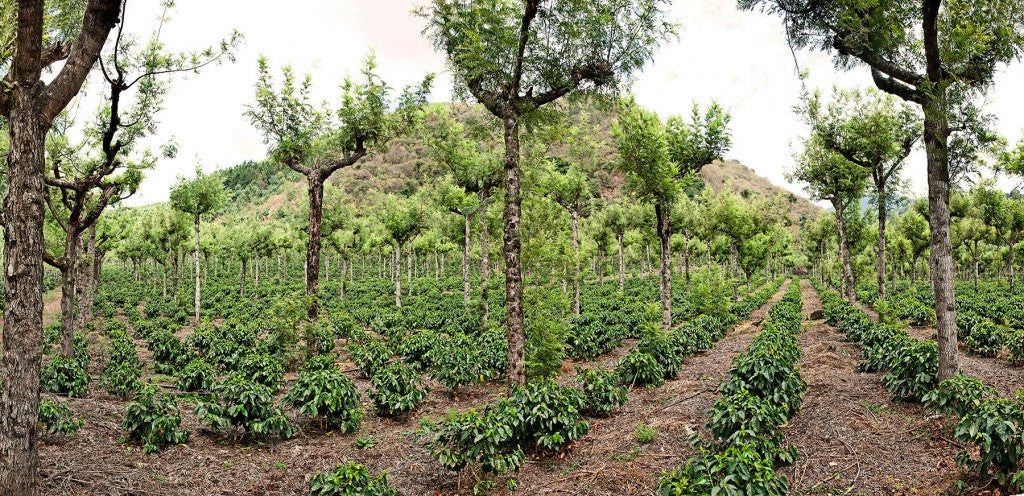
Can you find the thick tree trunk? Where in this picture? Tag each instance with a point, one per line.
(315, 187)
(465, 262)
(515, 322)
(666, 269)
(197, 295)
(844, 253)
(576, 261)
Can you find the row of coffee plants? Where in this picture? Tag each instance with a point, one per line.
(763, 391)
(992, 425)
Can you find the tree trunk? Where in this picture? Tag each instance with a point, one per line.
(315, 187)
(465, 263)
(344, 275)
(485, 256)
(686, 262)
(844, 253)
(68, 272)
(622, 264)
(174, 275)
(880, 186)
(408, 266)
(734, 255)
(666, 270)
(1013, 276)
(576, 261)
(398, 275)
(197, 296)
(241, 271)
(515, 323)
(600, 267)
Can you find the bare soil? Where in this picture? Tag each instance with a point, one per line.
(850, 436)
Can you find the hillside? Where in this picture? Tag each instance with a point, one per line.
(262, 189)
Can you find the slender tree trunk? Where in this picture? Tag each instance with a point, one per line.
(174, 275)
(315, 187)
(734, 256)
(485, 257)
(622, 263)
(844, 253)
(515, 323)
(882, 199)
(241, 270)
(398, 275)
(666, 269)
(1013, 276)
(576, 261)
(408, 266)
(198, 290)
(67, 291)
(344, 274)
(600, 267)
(465, 263)
(686, 261)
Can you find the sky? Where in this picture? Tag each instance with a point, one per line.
(740, 59)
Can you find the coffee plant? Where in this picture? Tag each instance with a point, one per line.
(154, 420)
(397, 389)
(350, 479)
(328, 395)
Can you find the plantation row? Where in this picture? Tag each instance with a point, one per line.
(233, 370)
(763, 391)
(987, 423)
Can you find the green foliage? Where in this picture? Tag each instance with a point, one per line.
(995, 427)
(370, 357)
(198, 375)
(745, 419)
(640, 369)
(57, 417)
(959, 395)
(644, 434)
(262, 369)
(397, 389)
(65, 377)
(545, 332)
(548, 413)
(121, 379)
(241, 402)
(350, 479)
(1015, 346)
(154, 420)
(739, 470)
(601, 391)
(913, 370)
(985, 338)
(327, 394)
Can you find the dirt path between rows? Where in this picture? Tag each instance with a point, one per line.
(851, 438)
(609, 460)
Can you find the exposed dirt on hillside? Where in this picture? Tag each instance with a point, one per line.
(608, 461)
(851, 438)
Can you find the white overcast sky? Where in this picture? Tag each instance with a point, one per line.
(738, 58)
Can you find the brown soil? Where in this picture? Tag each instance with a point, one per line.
(607, 461)
(851, 438)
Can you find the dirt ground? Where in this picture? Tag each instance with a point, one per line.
(851, 438)
(608, 461)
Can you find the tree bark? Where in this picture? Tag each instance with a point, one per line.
(315, 187)
(197, 295)
(734, 255)
(465, 263)
(622, 263)
(485, 258)
(68, 274)
(844, 253)
(515, 322)
(882, 214)
(576, 261)
(662, 215)
(398, 275)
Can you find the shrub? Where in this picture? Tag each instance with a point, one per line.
(417, 346)
(240, 402)
(351, 479)
(154, 420)
(913, 370)
(196, 376)
(985, 338)
(121, 379)
(262, 369)
(486, 439)
(547, 413)
(66, 377)
(959, 395)
(668, 349)
(739, 470)
(320, 362)
(455, 364)
(57, 417)
(995, 427)
(329, 395)
(1015, 346)
(745, 419)
(644, 434)
(768, 377)
(370, 357)
(640, 369)
(397, 389)
(601, 391)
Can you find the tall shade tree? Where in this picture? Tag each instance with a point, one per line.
(44, 34)
(1005, 216)
(198, 197)
(937, 55)
(317, 142)
(569, 187)
(830, 177)
(732, 219)
(402, 219)
(515, 56)
(873, 130)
